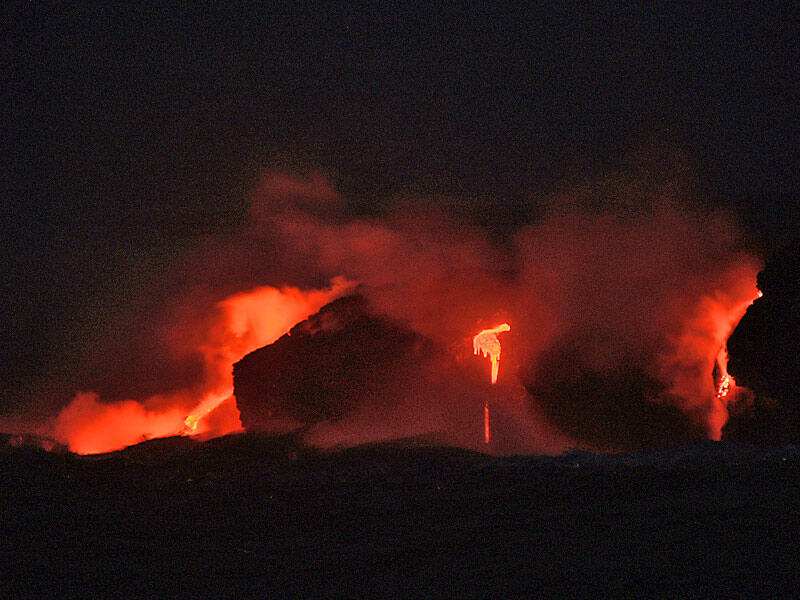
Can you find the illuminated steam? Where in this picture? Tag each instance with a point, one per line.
(615, 276)
(236, 326)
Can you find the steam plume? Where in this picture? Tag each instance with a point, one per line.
(620, 274)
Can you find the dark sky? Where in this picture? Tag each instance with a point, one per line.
(135, 132)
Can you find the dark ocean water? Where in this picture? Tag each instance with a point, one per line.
(257, 516)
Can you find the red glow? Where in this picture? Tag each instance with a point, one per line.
(89, 427)
(705, 329)
(725, 380)
(485, 342)
(487, 432)
(618, 274)
(239, 324)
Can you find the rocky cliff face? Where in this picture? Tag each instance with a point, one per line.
(612, 409)
(764, 352)
(342, 358)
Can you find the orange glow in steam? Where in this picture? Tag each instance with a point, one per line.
(240, 324)
(701, 342)
(725, 380)
(487, 432)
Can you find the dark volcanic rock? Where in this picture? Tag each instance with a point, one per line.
(339, 359)
(764, 352)
(619, 408)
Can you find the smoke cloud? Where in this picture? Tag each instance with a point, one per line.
(620, 295)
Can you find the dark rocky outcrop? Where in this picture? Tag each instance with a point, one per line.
(764, 352)
(619, 408)
(339, 359)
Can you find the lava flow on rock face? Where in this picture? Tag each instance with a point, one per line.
(618, 319)
(764, 352)
(339, 359)
(349, 374)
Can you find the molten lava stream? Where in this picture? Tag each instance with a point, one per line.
(487, 432)
(237, 325)
(249, 321)
(487, 343)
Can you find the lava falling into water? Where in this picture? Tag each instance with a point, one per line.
(723, 380)
(236, 326)
(658, 292)
(251, 320)
(721, 371)
(706, 327)
(487, 343)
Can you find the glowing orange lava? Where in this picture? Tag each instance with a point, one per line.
(725, 380)
(699, 349)
(487, 432)
(237, 325)
(724, 386)
(486, 342)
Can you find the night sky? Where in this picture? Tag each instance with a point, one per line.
(136, 133)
